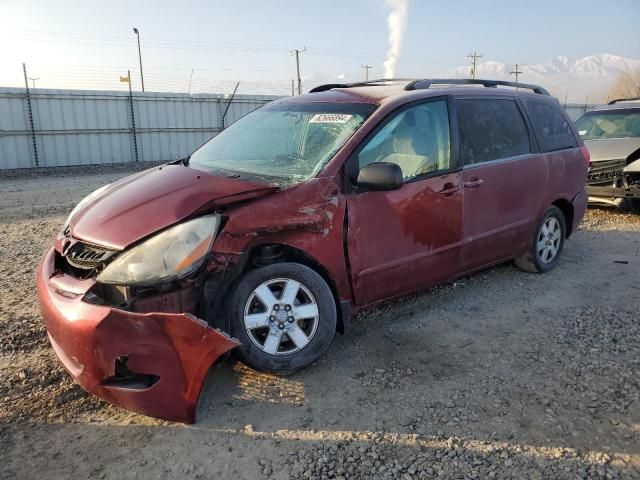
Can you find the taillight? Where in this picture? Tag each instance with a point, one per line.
(586, 155)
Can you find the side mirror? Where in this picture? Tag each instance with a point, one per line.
(380, 176)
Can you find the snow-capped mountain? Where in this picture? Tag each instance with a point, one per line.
(588, 78)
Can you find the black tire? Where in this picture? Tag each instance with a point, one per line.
(283, 363)
(532, 260)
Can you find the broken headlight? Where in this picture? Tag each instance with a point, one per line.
(171, 254)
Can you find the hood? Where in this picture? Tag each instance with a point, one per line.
(141, 204)
(612, 148)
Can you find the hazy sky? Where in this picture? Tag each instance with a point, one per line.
(90, 44)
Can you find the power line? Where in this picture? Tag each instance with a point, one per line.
(474, 56)
(126, 42)
(107, 78)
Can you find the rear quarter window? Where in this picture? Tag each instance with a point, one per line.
(491, 129)
(550, 126)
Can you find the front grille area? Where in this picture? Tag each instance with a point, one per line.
(87, 257)
(605, 172)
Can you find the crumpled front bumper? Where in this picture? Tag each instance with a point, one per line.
(164, 356)
(631, 191)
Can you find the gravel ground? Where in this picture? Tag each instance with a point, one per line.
(500, 374)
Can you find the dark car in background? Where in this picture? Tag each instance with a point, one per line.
(612, 135)
(270, 236)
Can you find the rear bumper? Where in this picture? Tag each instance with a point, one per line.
(166, 356)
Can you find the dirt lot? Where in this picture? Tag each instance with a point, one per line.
(501, 374)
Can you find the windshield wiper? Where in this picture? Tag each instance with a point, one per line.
(184, 161)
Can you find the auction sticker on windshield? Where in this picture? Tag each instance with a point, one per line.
(330, 118)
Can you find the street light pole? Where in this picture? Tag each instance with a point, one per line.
(135, 30)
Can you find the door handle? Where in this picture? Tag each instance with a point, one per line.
(473, 183)
(448, 190)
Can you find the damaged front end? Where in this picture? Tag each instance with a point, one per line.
(151, 362)
(133, 293)
(612, 181)
(614, 173)
(127, 322)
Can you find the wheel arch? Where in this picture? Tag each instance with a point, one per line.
(268, 253)
(567, 210)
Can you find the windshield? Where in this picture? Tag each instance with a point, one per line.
(611, 124)
(282, 142)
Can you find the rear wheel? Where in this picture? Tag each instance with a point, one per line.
(284, 316)
(547, 243)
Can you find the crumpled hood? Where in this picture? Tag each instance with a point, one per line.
(612, 148)
(141, 204)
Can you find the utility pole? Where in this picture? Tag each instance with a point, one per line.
(190, 78)
(516, 72)
(474, 56)
(297, 53)
(133, 117)
(366, 71)
(135, 30)
(293, 86)
(30, 110)
(33, 81)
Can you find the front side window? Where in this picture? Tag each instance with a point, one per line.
(491, 129)
(416, 139)
(609, 124)
(550, 126)
(282, 143)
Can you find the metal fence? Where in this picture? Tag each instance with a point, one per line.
(47, 128)
(576, 110)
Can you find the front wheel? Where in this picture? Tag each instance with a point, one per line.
(284, 316)
(547, 243)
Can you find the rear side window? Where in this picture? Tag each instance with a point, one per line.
(550, 126)
(491, 129)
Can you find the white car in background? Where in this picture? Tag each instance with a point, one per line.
(612, 135)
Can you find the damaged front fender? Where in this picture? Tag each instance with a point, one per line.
(151, 363)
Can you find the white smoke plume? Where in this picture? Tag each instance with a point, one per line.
(397, 22)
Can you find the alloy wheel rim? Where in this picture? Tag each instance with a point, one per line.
(281, 316)
(549, 238)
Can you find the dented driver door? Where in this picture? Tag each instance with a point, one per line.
(405, 239)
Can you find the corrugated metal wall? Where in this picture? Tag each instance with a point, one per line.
(77, 127)
(575, 110)
(73, 127)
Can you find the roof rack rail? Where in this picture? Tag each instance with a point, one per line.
(427, 83)
(369, 83)
(419, 84)
(619, 100)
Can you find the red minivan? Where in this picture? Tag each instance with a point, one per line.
(269, 237)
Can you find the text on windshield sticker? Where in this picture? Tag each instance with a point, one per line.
(330, 118)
